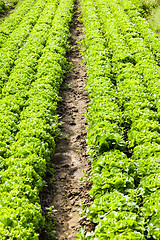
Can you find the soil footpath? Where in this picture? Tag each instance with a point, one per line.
(70, 158)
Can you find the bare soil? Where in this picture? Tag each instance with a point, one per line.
(70, 158)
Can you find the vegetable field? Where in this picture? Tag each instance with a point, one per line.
(32, 63)
(122, 57)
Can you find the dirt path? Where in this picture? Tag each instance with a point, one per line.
(70, 156)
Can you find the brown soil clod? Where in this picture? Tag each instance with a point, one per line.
(70, 158)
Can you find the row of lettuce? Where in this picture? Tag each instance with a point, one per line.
(36, 48)
(13, 42)
(3, 6)
(122, 57)
(14, 19)
(6, 5)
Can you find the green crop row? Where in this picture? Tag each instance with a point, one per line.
(123, 133)
(136, 73)
(13, 45)
(5, 6)
(14, 19)
(2, 6)
(15, 92)
(135, 26)
(22, 171)
(142, 26)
